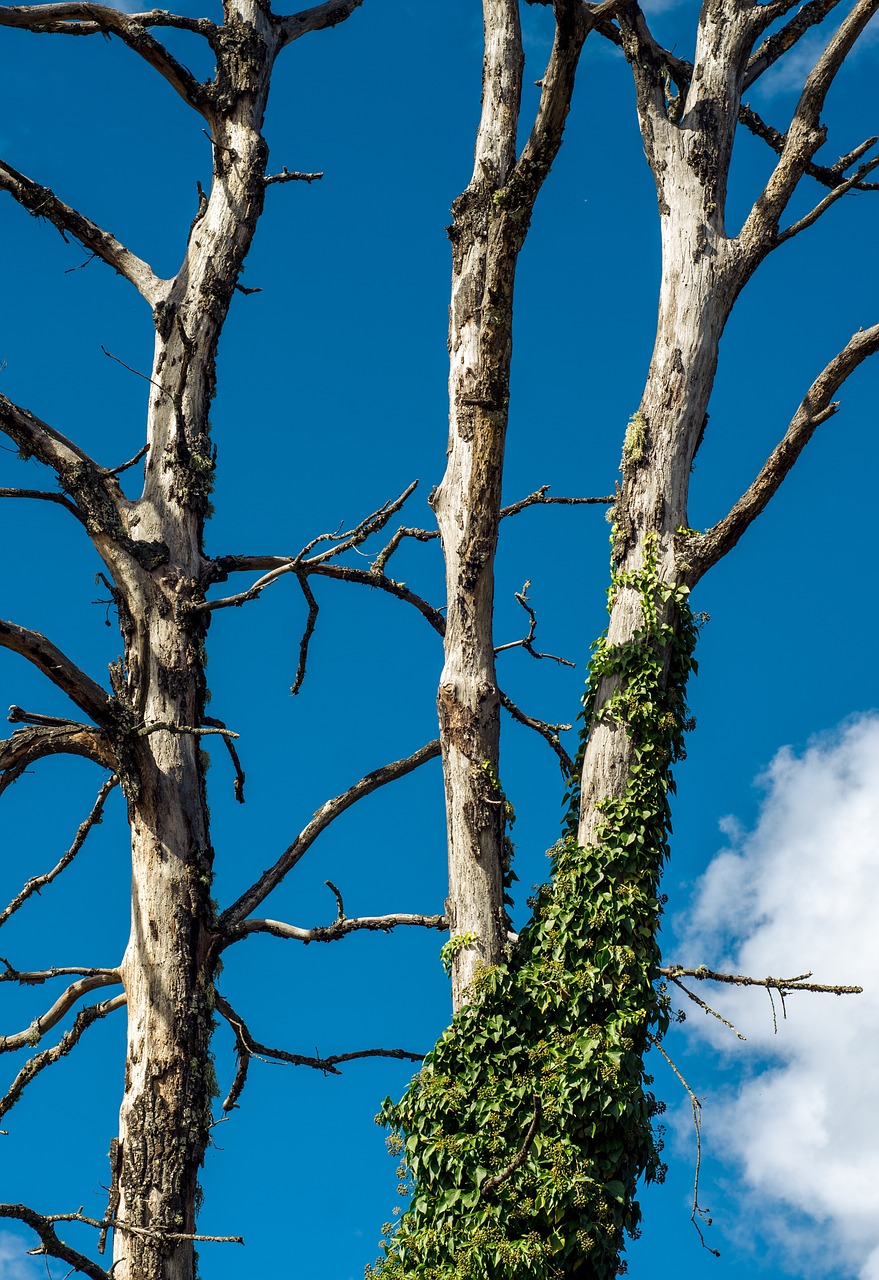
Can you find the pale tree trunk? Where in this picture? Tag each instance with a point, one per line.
(491, 220)
(167, 968)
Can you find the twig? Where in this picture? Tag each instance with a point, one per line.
(337, 894)
(36, 978)
(286, 175)
(163, 726)
(550, 732)
(491, 1184)
(310, 623)
(539, 499)
(697, 1211)
(131, 369)
(146, 1232)
(132, 462)
(36, 883)
(238, 784)
(526, 644)
(707, 1007)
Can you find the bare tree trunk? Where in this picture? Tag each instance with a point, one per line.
(168, 965)
(491, 220)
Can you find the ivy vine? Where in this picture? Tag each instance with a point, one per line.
(527, 1129)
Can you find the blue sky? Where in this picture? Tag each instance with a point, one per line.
(331, 400)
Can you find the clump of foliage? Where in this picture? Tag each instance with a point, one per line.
(525, 1133)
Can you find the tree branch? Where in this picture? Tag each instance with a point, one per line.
(48, 658)
(550, 732)
(805, 135)
(783, 40)
(40, 202)
(269, 880)
(317, 18)
(828, 175)
(539, 499)
(698, 552)
(338, 929)
(287, 176)
(43, 496)
(26, 746)
(82, 18)
(38, 1028)
(784, 986)
(527, 643)
(855, 182)
(51, 1244)
(36, 883)
(48, 1057)
(248, 1048)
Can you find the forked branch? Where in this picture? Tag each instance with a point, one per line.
(34, 1033)
(48, 1057)
(247, 1047)
(52, 1244)
(235, 915)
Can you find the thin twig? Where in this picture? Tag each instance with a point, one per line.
(238, 784)
(526, 644)
(340, 928)
(539, 499)
(287, 175)
(549, 732)
(707, 1007)
(132, 462)
(698, 1211)
(36, 883)
(308, 632)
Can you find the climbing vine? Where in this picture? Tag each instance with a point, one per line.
(526, 1131)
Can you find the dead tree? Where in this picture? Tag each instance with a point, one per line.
(529, 1127)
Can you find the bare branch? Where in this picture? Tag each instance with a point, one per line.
(491, 1184)
(51, 1244)
(132, 462)
(550, 732)
(539, 498)
(36, 438)
(269, 880)
(164, 726)
(828, 175)
(43, 203)
(783, 40)
(287, 176)
(855, 182)
(36, 977)
(73, 17)
(249, 1048)
(697, 1211)
(238, 784)
(43, 496)
(339, 929)
(805, 135)
(310, 623)
(38, 1028)
(26, 746)
(317, 18)
(48, 1057)
(784, 986)
(699, 552)
(420, 535)
(354, 537)
(48, 658)
(705, 1007)
(526, 644)
(36, 883)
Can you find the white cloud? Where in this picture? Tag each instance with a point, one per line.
(14, 1261)
(801, 892)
